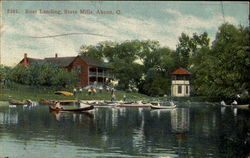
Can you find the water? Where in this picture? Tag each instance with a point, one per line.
(196, 132)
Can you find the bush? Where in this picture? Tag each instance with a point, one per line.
(42, 75)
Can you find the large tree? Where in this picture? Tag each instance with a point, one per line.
(223, 70)
(141, 65)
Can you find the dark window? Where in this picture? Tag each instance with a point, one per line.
(78, 68)
(179, 89)
(186, 89)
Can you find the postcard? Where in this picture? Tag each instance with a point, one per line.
(161, 79)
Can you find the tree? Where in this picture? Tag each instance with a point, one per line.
(223, 69)
(42, 75)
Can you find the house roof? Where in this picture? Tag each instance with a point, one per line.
(60, 61)
(180, 71)
(94, 62)
(66, 61)
(33, 61)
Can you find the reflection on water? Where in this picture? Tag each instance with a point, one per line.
(8, 117)
(124, 132)
(180, 120)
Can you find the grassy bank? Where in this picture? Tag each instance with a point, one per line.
(22, 92)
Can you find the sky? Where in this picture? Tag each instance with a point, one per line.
(43, 28)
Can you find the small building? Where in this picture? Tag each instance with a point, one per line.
(90, 70)
(180, 86)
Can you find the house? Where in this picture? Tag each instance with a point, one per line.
(90, 70)
(180, 86)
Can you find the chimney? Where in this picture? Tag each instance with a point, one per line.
(25, 59)
(56, 55)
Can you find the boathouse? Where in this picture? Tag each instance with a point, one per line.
(180, 86)
(90, 70)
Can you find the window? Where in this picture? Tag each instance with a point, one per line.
(78, 68)
(187, 89)
(179, 89)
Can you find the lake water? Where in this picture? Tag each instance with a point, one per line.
(197, 131)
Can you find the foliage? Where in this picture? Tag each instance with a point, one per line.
(42, 75)
(223, 69)
(3, 72)
(134, 62)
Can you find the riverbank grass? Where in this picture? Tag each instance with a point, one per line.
(35, 94)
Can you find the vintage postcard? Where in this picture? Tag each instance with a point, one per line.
(160, 79)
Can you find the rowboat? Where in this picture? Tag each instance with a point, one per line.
(134, 105)
(138, 104)
(162, 107)
(244, 106)
(51, 108)
(68, 101)
(47, 102)
(64, 93)
(15, 102)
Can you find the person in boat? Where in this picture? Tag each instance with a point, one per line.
(234, 102)
(171, 103)
(29, 102)
(223, 103)
(58, 105)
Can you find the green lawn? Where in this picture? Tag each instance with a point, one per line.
(22, 92)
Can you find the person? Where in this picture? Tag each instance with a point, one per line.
(94, 91)
(80, 90)
(112, 91)
(234, 102)
(58, 105)
(89, 91)
(100, 89)
(113, 97)
(223, 103)
(171, 103)
(74, 91)
(124, 97)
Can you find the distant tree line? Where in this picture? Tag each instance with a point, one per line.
(39, 75)
(220, 68)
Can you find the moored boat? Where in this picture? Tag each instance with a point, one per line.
(68, 101)
(51, 108)
(163, 107)
(47, 102)
(138, 104)
(15, 102)
(64, 93)
(244, 106)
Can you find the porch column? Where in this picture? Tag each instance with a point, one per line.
(103, 77)
(88, 75)
(96, 75)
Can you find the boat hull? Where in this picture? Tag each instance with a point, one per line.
(47, 102)
(72, 109)
(134, 105)
(163, 107)
(246, 106)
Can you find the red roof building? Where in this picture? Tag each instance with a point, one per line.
(180, 71)
(180, 83)
(90, 70)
